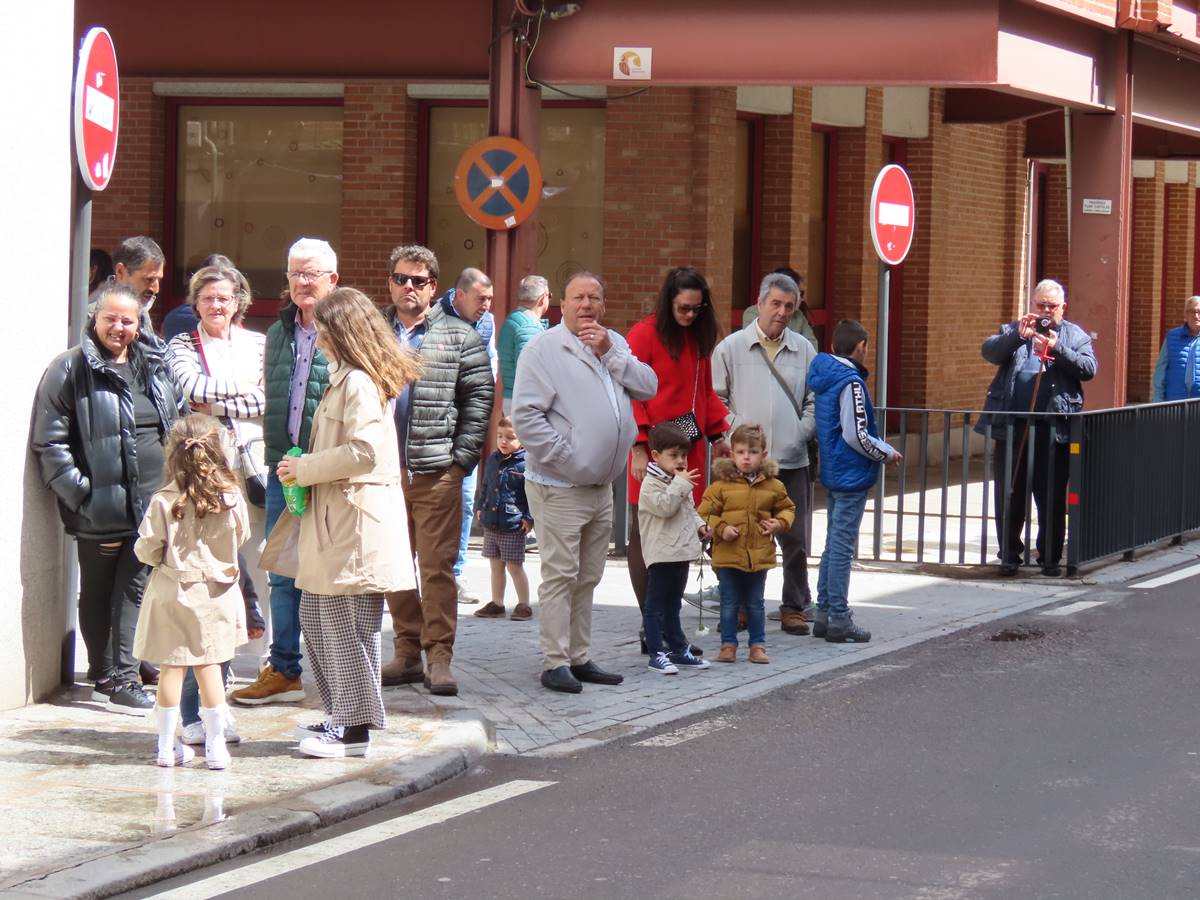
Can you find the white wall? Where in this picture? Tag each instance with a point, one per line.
(35, 194)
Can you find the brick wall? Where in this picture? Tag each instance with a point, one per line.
(668, 199)
(132, 204)
(963, 277)
(1181, 245)
(1056, 258)
(855, 277)
(379, 177)
(1145, 286)
(787, 158)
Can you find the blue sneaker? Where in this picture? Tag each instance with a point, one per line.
(661, 663)
(684, 659)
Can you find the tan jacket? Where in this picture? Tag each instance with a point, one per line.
(192, 609)
(353, 538)
(732, 500)
(667, 521)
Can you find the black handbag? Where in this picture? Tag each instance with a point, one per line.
(687, 423)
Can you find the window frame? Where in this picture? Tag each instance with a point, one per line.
(264, 307)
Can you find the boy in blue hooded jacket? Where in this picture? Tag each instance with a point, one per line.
(851, 453)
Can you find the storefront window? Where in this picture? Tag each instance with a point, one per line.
(818, 234)
(250, 180)
(570, 219)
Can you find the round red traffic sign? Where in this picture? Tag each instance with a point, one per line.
(498, 182)
(893, 215)
(97, 108)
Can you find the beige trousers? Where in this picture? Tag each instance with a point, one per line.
(574, 527)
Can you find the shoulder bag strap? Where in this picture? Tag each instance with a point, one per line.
(783, 384)
(225, 420)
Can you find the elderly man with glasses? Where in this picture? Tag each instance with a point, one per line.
(442, 422)
(295, 375)
(1043, 361)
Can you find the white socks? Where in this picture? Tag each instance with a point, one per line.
(216, 756)
(171, 751)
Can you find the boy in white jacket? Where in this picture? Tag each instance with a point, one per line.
(671, 535)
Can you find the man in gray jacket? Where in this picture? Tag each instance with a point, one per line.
(572, 410)
(742, 368)
(441, 421)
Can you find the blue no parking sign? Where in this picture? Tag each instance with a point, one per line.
(498, 183)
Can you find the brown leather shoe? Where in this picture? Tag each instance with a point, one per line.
(521, 612)
(728, 653)
(402, 670)
(440, 680)
(491, 610)
(792, 621)
(758, 654)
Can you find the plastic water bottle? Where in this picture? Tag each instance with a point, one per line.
(295, 495)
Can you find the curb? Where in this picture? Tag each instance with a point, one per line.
(205, 845)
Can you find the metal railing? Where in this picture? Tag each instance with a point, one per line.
(1127, 470)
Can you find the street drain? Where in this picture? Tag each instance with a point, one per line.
(1019, 633)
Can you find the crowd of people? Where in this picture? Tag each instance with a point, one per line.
(346, 442)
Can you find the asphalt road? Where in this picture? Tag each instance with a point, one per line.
(1063, 765)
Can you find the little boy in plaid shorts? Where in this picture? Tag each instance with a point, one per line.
(504, 514)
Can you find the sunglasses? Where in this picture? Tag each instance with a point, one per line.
(418, 281)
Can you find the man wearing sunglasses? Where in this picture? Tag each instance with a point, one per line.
(441, 422)
(1043, 361)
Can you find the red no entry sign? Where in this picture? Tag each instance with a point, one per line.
(893, 215)
(97, 108)
(498, 183)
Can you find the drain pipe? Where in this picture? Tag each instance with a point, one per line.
(1067, 136)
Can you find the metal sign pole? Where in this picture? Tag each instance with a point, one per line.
(881, 385)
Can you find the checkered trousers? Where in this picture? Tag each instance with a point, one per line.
(342, 637)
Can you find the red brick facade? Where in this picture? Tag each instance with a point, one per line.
(669, 169)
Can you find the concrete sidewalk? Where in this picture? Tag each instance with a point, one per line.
(88, 814)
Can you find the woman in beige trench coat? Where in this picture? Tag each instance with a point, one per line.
(343, 551)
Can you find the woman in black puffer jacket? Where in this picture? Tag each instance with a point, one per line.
(103, 409)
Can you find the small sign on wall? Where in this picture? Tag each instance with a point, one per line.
(632, 63)
(1092, 207)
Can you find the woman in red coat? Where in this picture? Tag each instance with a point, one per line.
(677, 342)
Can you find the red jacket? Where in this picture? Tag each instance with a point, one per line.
(679, 380)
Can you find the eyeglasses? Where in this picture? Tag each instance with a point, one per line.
(215, 299)
(685, 309)
(1048, 307)
(418, 281)
(308, 277)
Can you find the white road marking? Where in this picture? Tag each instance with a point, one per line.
(690, 733)
(1177, 575)
(284, 863)
(1072, 608)
(869, 605)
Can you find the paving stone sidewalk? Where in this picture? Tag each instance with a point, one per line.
(80, 790)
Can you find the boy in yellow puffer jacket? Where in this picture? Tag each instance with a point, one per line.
(746, 506)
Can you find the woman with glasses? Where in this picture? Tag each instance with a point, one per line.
(677, 341)
(219, 366)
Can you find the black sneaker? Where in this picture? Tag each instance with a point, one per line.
(320, 729)
(820, 623)
(354, 741)
(686, 659)
(131, 700)
(102, 691)
(841, 631)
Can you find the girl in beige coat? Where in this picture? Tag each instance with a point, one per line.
(192, 609)
(349, 549)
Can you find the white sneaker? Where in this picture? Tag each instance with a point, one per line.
(181, 756)
(331, 745)
(465, 596)
(709, 598)
(194, 734)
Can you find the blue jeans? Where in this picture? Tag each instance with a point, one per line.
(664, 598)
(746, 589)
(468, 513)
(285, 597)
(189, 700)
(844, 510)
